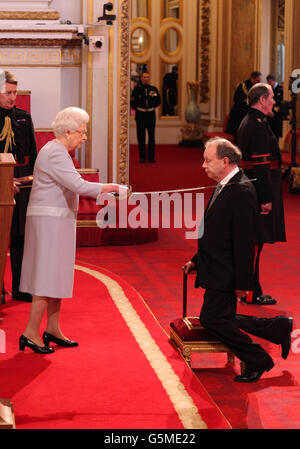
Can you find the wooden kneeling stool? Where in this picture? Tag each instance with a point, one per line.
(189, 336)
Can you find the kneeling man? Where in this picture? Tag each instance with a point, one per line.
(225, 261)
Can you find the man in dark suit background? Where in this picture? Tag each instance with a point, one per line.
(240, 106)
(224, 263)
(276, 120)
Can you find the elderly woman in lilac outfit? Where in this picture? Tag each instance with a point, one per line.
(50, 235)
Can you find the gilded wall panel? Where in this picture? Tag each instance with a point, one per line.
(243, 41)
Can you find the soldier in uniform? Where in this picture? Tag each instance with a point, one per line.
(240, 106)
(17, 137)
(145, 99)
(262, 160)
(276, 120)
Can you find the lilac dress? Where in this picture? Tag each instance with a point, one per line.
(50, 233)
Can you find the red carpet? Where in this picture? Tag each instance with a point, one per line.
(153, 272)
(176, 167)
(123, 375)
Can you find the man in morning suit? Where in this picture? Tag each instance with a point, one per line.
(17, 137)
(240, 106)
(262, 160)
(145, 99)
(224, 263)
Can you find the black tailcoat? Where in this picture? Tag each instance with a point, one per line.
(226, 250)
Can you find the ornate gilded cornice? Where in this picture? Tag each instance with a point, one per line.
(204, 50)
(26, 42)
(29, 15)
(124, 76)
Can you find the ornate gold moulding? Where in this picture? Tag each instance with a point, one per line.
(26, 42)
(29, 15)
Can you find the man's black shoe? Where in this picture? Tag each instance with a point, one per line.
(286, 342)
(254, 374)
(20, 296)
(142, 161)
(263, 300)
(152, 161)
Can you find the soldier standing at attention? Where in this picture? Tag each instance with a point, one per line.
(262, 160)
(145, 99)
(17, 137)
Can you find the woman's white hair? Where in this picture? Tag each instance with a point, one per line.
(69, 119)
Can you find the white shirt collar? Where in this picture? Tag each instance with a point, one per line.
(229, 176)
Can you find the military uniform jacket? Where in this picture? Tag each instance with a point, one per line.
(24, 150)
(144, 99)
(226, 251)
(262, 161)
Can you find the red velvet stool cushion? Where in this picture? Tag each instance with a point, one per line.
(190, 329)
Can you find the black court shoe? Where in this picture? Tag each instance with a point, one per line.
(47, 338)
(24, 341)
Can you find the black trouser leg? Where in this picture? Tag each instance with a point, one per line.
(141, 138)
(270, 329)
(218, 315)
(16, 255)
(257, 290)
(151, 143)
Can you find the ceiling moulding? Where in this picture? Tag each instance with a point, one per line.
(29, 15)
(33, 5)
(27, 10)
(40, 42)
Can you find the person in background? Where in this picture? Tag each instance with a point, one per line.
(17, 137)
(262, 161)
(50, 235)
(276, 120)
(170, 92)
(240, 106)
(145, 99)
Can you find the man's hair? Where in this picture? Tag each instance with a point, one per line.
(271, 77)
(257, 91)
(10, 78)
(255, 74)
(224, 148)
